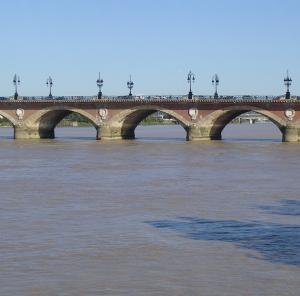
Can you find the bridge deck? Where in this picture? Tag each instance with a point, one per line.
(164, 103)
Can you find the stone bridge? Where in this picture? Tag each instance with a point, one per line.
(202, 119)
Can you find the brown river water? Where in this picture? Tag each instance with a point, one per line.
(151, 216)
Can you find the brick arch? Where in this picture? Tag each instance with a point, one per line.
(218, 120)
(46, 120)
(10, 118)
(129, 119)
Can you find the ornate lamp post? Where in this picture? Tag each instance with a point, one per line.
(287, 82)
(215, 82)
(99, 84)
(130, 86)
(190, 79)
(16, 82)
(49, 83)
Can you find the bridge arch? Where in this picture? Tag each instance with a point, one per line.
(47, 119)
(11, 120)
(218, 120)
(128, 120)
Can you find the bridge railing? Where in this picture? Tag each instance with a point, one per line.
(149, 98)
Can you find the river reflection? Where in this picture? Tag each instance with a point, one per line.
(222, 217)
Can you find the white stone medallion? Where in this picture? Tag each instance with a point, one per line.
(102, 114)
(290, 114)
(20, 113)
(193, 112)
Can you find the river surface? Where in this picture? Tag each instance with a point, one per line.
(151, 216)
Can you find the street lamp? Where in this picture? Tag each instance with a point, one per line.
(190, 79)
(16, 82)
(49, 83)
(287, 82)
(215, 82)
(130, 86)
(99, 84)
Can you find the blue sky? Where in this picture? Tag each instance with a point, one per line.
(249, 43)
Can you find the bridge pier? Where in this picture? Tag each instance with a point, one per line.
(291, 134)
(115, 132)
(24, 132)
(198, 133)
(109, 132)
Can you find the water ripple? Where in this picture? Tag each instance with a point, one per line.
(277, 243)
(284, 207)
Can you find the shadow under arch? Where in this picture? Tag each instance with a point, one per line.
(219, 119)
(130, 119)
(47, 119)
